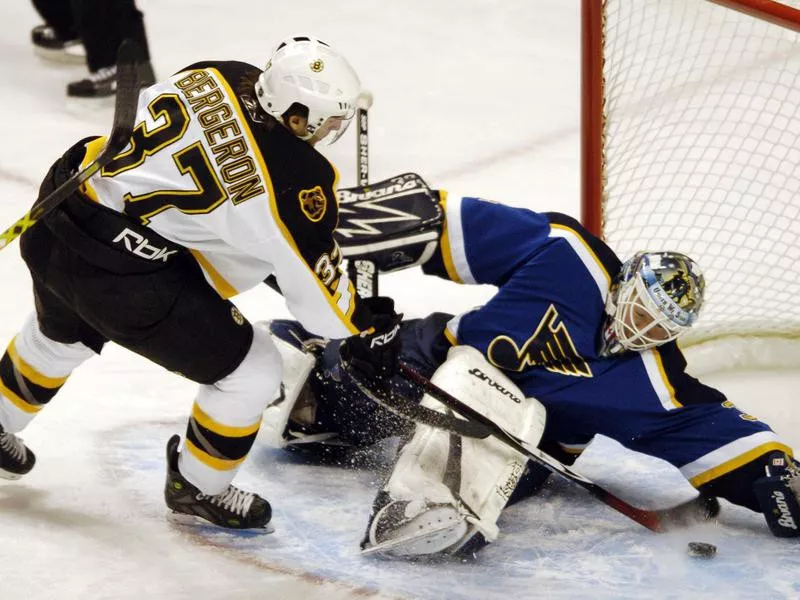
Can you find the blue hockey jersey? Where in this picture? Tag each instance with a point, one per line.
(543, 329)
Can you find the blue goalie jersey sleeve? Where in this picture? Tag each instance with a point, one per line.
(485, 242)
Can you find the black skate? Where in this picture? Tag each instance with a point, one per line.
(48, 44)
(103, 82)
(16, 459)
(232, 509)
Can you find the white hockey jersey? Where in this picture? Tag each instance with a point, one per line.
(207, 170)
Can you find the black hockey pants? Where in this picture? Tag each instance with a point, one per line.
(90, 285)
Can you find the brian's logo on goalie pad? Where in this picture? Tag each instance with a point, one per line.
(313, 203)
(476, 372)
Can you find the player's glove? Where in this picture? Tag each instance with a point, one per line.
(372, 356)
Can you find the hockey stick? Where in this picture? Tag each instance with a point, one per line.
(655, 520)
(410, 410)
(362, 136)
(128, 59)
(364, 273)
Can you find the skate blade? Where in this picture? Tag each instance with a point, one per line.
(71, 56)
(415, 544)
(199, 524)
(9, 476)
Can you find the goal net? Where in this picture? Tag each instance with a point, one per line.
(691, 142)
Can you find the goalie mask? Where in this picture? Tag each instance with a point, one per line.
(308, 71)
(656, 297)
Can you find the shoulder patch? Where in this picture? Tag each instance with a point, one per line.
(313, 203)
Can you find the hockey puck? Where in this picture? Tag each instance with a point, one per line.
(702, 550)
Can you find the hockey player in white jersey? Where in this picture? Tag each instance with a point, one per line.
(219, 187)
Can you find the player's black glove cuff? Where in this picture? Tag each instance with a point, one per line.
(372, 357)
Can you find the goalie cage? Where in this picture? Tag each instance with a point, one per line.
(691, 142)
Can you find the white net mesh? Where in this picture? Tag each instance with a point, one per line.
(702, 154)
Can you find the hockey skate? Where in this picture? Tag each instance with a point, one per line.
(103, 82)
(49, 45)
(16, 459)
(403, 528)
(232, 509)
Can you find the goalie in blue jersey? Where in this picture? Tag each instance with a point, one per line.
(574, 343)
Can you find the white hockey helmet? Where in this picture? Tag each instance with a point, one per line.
(308, 71)
(656, 297)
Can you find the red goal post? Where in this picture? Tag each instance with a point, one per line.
(691, 141)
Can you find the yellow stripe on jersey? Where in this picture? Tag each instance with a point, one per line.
(344, 300)
(93, 148)
(343, 316)
(588, 249)
(450, 336)
(31, 374)
(17, 401)
(219, 464)
(737, 462)
(352, 305)
(227, 430)
(447, 253)
(665, 378)
(223, 287)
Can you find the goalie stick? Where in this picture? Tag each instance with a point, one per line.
(475, 425)
(128, 59)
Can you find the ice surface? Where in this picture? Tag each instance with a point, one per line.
(477, 96)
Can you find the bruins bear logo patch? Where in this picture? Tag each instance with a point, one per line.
(313, 203)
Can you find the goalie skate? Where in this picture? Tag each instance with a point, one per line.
(405, 528)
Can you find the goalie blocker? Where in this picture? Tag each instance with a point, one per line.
(386, 226)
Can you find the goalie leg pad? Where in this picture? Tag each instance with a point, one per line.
(318, 411)
(293, 344)
(473, 478)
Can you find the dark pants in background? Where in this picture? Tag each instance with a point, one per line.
(100, 24)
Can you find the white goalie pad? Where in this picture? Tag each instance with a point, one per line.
(297, 366)
(474, 476)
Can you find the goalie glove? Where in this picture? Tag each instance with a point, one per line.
(778, 493)
(372, 356)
